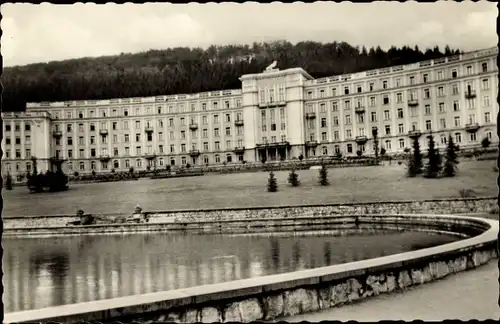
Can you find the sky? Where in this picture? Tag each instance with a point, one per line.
(47, 32)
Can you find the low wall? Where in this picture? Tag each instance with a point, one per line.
(271, 297)
(448, 206)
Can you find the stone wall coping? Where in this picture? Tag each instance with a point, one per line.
(254, 286)
(336, 217)
(397, 202)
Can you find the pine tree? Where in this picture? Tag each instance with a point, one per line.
(272, 184)
(323, 176)
(451, 160)
(417, 157)
(293, 178)
(8, 182)
(375, 142)
(433, 166)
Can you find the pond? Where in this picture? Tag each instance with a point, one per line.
(55, 271)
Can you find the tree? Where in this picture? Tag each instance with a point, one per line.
(8, 182)
(433, 166)
(415, 164)
(451, 159)
(485, 142)
(272, 183)
(293, 178)
(323, 176)
(375, 142)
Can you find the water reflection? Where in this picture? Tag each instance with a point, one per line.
(47, 272)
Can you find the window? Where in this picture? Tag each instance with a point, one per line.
(7, 128)
(412, 80)
(384, 84)
(400, 113)
(454, 73)
(472, 137)
(348, 133)
(387, 130)
(456, 120)
(440, 75)
(360, 88)
(427, 109)
(335, 120)
(458, 138)
(324, 136)
(373, 116)
(386, 99)
(346, 90)
(401, 128)
(69, 140)
(387, 115)
(372, 101)
(387, 145)
(347, 104)
(335, 106)
(92, 140)
(323, 122)
(399, 97)
(484, 67)
(487, 117)
(82, 166)
(443, 139)
(428, 125)
(469, 69)
(442, 123)
(486, 101)
(348, 119)
(372, 86)
(441, 107)
(454, 89)
(427, 93)
(349, 148)
(216, 132)
(456, 105)
(485, 84)
(401, 143)
(425, 78)
(92, 127)
(137, 137)
(440, 91)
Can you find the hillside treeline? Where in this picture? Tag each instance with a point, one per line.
(188, 70)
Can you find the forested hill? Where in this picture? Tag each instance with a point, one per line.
(185, 70)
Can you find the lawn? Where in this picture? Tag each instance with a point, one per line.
(356, 184)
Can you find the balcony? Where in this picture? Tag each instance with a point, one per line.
(273, 144)
(148, 129)
(310, 115)
(414, 134)
(193, 126)
(238, 122)
(361, 139)
(239, 149)
(359, 109)
(272, 104)
(194, 152)
(103, 132)
(472, 127)
(311, 143)
(57, 134)
(470, 94)
(104, 157)
(150, 156)
(413, 102)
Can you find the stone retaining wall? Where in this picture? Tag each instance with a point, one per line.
(449, 206)
(271, 297)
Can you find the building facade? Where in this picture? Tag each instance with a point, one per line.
(276, 115)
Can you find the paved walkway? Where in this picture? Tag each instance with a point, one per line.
(468, 295)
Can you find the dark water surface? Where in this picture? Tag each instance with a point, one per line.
(42, 272)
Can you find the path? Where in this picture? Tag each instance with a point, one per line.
(468, 295)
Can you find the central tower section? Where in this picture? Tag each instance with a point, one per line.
(273, 103)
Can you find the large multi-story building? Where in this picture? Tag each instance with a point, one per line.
(279, 114)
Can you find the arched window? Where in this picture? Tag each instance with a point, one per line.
(229, 158)
(92, 165)
(160, 161)
(325, 150)
(18, 166)
(82, 166)
(127, 163)
(116, 164)
(217, 158)
(205, 159)
(138, 163)
(458, 138)
(443, 139)
(183, 160)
